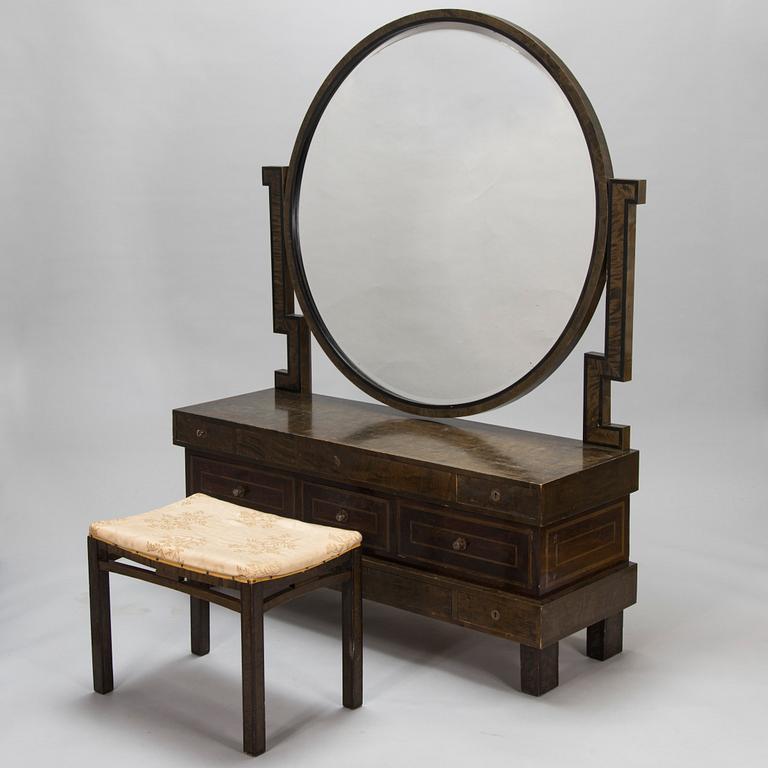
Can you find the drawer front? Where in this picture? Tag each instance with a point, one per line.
(345, 465)
(517, 620)
(421, 595)
(198, 433)
(493, 494)
(348, 509)
(585, 545)
(500, 553)
(353, 466)
(266, 491)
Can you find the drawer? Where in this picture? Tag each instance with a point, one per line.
(351, 466)
(199, 433)
(518, 620)
(496, 551)
(266, 491)
(494, 494)
(348, 509)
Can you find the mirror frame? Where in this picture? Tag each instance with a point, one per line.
(602, 172)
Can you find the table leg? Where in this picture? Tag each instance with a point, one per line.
(538, 669)
(101, 622)
(352, 636)
(606, 638)
(252, 642)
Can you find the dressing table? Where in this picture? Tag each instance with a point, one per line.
(448, 221)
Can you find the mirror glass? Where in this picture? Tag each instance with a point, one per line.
(446, 215)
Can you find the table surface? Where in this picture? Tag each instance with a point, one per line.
(526, 457)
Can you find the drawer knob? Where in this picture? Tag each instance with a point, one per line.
(238, 491)
(460, 545)
(495, 615)
(336, 462)
(201, 433)
(495, 495)
(342, 516)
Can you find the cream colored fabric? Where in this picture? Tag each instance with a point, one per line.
(203, 534)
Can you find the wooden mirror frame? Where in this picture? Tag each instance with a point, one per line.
(614, 229)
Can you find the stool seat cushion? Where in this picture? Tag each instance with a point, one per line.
(218, 538)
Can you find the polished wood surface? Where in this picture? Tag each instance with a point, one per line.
(513, 533)
(540, 670)
(524, 476)
(200, 625)
(500, 528)
(252, 661)
(615, 364)
(101, 618)
(297, 375)
(606, 637)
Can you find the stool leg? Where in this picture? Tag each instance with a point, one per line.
(200, 625)
(538, 669)
(252, 639)
(352, 636)
(101, 624)
(606, 638)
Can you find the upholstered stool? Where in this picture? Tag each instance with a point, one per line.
(199, 545)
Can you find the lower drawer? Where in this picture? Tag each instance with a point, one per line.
(368, 514)
(266, 491)
(467, 546)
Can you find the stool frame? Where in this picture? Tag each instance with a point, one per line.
(255, 599)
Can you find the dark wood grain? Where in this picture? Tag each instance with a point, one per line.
(164, 577)
(466, 545)
(615, 363)
(540, 478)
(101, 621)
(584, 544)
(367, 513)
(534, 621)
(252, 657)
(271, 492)
(606, 638)
(539, 671)
(352, 635)
(297, 376)
(585, 603)
(200, 625)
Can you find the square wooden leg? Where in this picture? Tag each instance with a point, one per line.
(352, 636)
(200, 625)
(606, 638)
(252, 648)
(538, 669)
(101, 622)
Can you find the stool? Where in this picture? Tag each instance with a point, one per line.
(200, 545)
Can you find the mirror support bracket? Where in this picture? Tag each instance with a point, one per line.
(297, 377)
(615, 364)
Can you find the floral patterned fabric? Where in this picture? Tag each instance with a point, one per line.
(206, 535)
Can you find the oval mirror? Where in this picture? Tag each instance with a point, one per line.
(446, 200)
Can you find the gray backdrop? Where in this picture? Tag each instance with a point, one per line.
(135, 278)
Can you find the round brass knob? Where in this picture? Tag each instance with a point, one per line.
(460, 544)
(201, 433)
(238, 491)
(342, 516)
(495, 615)
(495, 495)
